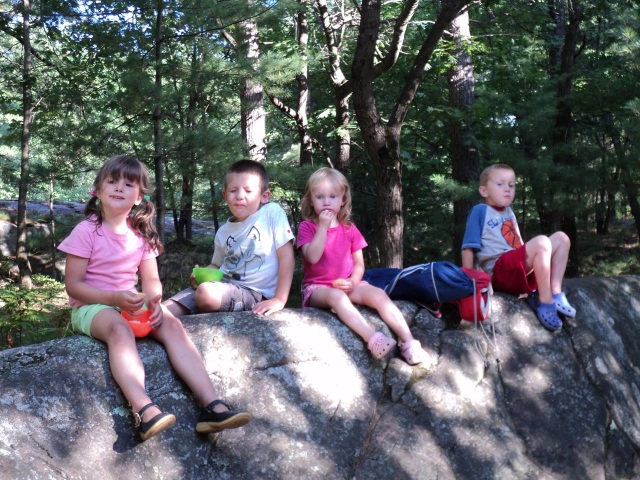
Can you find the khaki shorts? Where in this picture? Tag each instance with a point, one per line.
(235, 298)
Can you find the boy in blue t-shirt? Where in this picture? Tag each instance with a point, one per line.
(492, 238)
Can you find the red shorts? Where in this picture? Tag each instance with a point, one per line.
(510, 273)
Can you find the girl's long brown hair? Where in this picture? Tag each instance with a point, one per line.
(141, 217)
(335, 177)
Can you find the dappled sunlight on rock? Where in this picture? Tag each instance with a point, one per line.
(525, 404)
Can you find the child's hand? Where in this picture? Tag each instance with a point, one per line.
(267, 307)
(129, 301)
(156, 311)
(344, 284)
(325, 219)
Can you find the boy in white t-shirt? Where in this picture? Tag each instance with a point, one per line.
(254, 250)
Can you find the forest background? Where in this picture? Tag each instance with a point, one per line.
(410, 99)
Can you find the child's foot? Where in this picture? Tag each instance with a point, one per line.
(154, 425)
(412, 352)
(380, 345)
(563, 306)
(211, 421)
(546, 312)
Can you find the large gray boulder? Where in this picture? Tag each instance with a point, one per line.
(518, 403)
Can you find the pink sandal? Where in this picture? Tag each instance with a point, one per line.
(412, 352)
(379, 344)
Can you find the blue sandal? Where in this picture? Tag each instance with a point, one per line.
(546, 312)
(563, 306)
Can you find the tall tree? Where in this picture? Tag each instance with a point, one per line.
(299, 113)
(465, 160)
(341, 85)
(382, 138)
(252, 114)
(567, 15)
(158, 147)
(27, 116)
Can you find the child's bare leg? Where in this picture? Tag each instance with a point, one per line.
(346, 311)
(186, 360)
(124, 360)
(175, 308)
(209, 296)
(376, 298)
(560, 245)
(539, 260)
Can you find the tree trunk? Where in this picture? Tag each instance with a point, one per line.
(158, 147)
(22, 256)
(465, 161)
(304, 89)
(214, 203)
(299, 114)
(382, 140)
(342, 90)
(252, 113)
(629, 186)
(172, 207)
(571, 16)
(52, 221)
(184, 226)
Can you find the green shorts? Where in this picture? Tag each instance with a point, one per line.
(82, 317)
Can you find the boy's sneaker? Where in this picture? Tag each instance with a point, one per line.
(211, 421)
(546, 312)
(563, 306)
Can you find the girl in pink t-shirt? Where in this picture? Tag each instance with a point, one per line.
(333, 266)
(105, 253)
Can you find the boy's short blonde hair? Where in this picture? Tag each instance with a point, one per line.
(486, 173)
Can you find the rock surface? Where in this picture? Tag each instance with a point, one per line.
(524, 403)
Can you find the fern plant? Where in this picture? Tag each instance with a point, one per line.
(30, 316)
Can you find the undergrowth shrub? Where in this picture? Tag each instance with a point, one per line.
(31, 316)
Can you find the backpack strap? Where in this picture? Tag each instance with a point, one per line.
(404, 273)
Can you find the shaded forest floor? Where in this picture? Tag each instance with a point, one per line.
(615, 253)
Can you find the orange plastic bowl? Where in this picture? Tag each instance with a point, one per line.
(139, 322)
(204, 274)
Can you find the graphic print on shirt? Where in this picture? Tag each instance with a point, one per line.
(510, 234)
(240, 254)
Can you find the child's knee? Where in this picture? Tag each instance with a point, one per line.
(336, 296)
(207, 297)
(539, 244)
(120, 332)
(172, 328)
(561, 238)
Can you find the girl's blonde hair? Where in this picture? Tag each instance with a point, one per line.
(141, 218)
(337, 179)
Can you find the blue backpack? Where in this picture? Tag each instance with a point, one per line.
(432, 284)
